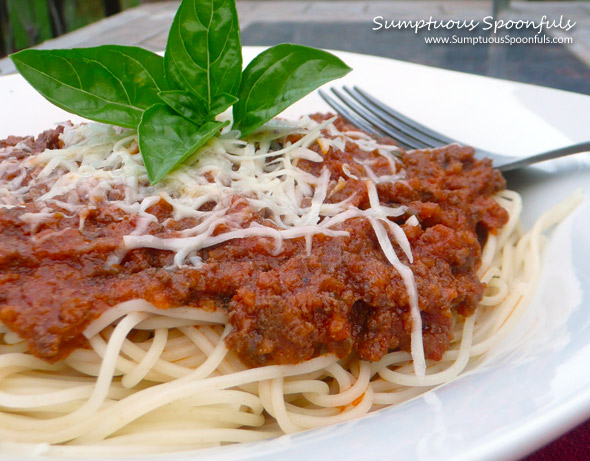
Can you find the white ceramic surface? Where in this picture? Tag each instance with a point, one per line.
(538, 385)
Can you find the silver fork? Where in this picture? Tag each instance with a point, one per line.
(368, 113)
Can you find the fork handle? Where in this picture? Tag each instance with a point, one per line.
(512, 164)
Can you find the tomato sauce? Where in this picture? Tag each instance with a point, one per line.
(343, 297)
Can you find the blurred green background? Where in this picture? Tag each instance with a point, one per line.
(24, 23)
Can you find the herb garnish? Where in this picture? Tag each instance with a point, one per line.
(173, 101)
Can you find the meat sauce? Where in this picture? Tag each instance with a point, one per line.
(343, 297)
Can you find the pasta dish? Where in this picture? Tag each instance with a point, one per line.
(303, 276)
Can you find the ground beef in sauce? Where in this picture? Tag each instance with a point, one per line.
(344, 297)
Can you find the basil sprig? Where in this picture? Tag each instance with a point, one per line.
(278, 77)
(173, 101)
(109, 84)
(170, 139)
(204, 53)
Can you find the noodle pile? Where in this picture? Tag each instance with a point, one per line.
(163, 380)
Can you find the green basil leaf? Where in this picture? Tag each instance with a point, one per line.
(110, 84)
(278, 77)
(204, 53)
(189, 106)
(186, 104)
(166, 139)
(223, 102)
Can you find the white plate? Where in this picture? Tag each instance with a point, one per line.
(539, 386)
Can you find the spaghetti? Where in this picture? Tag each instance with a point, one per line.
(159, 380)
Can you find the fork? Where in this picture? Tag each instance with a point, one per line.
(368, 113)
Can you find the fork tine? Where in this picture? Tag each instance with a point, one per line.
(398, 135)
(404, 122)
(348, 115)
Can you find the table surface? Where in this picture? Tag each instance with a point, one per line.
(321, 24)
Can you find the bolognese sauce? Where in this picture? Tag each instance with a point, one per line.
(339, 294)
